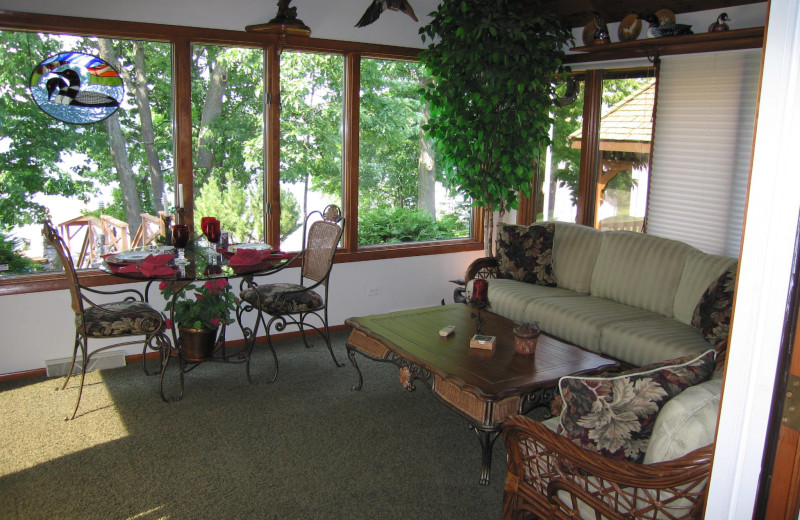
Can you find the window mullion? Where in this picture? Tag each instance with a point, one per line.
(350, 146)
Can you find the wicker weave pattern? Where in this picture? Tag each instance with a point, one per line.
(554, 479)
(485, 412)
(366, 344)
(323, 237)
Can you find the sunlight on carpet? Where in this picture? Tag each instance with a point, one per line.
(30, 408)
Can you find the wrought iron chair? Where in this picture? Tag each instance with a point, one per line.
(292, 304)
(550, 478)
(132, 316)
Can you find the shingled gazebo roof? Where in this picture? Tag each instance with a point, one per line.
(628, 125)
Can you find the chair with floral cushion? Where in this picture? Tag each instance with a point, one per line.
(635, 444)
(131, 316)
(293, 304)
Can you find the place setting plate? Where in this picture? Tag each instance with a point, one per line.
(259, 246)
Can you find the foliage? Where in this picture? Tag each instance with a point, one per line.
(201, 306)
(10, 249)
(492, 66)
(392, 225)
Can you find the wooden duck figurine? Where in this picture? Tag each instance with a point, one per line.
(658, 30)
(720, 24)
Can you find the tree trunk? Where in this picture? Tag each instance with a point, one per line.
(138, 88)
(119, 152)
(127, 180)
(426, 191)
(211, 110)
(148, 133)
(488, 228)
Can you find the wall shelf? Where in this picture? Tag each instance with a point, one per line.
(752, 38)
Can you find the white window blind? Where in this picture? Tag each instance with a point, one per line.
(701, 154)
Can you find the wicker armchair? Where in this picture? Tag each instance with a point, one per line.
(548, 477)
(293, 304)
(132, 316)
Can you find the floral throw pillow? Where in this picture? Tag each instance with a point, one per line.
(712, 316)
(615, 415)
(525, 253)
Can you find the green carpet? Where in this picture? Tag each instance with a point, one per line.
(306, 446)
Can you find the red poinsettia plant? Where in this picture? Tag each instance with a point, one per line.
(200, 306)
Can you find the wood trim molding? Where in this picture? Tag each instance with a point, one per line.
(590, 154)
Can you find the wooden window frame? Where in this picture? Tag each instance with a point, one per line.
(182, 38)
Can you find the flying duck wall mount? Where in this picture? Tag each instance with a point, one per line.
(76, 88)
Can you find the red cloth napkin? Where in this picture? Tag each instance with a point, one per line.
(151, 266)
(245, 256)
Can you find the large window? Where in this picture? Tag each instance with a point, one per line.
(401, 198)
(228, 138)
(104, 174)
(251, 132)
(312, 112)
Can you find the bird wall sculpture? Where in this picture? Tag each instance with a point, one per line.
(659, 30)
(379, 6)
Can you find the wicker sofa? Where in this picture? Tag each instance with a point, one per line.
(658, 306)
(630, 296)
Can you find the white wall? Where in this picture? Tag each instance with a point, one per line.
(39, 326)
(326, 18)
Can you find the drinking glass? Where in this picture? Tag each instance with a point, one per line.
(213, 233)
(180, 238)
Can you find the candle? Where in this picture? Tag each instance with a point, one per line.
(179, 204)
(480, 289)
(165, 202)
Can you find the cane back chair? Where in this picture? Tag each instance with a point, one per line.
(549, 477)
(131, 316)
(293, 304)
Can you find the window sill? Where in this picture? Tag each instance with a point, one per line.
(93, 278)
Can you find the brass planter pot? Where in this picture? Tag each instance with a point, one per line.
(197, 344)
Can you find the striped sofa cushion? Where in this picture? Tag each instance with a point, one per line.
(575, 251)
(639, 270)
(699, 272)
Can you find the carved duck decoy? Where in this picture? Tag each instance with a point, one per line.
(658, 30)
(720, 24)
(379, 6)
(65, 89)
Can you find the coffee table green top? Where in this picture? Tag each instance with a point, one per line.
(489, 374)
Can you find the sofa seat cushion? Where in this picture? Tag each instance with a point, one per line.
(580, 319)
(615, 415)
(510, 298)
(525, 253)
(575, 250)
(687, 422)
(639, 270)
(645, 341)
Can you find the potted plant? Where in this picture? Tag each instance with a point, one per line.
(492, 67)
(198, 311)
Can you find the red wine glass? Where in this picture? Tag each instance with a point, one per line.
(180, 238)
(213, 232)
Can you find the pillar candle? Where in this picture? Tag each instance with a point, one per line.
(180, 196)
(480, 289)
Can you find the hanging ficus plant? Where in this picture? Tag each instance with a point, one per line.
(492, 65)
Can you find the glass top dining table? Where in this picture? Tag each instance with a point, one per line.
(157, 263)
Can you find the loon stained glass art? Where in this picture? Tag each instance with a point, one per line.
(77, 88)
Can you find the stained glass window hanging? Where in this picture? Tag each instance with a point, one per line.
(77, 88)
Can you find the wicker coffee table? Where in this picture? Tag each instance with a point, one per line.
(484, 386)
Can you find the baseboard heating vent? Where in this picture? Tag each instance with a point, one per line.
(101, 360)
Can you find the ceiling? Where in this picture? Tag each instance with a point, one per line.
(579, 12)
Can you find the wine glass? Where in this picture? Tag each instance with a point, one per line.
(213, 233)
(180, 238)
